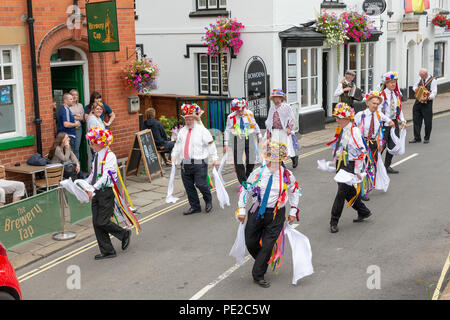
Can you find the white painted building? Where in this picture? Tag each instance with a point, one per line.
(296, 57)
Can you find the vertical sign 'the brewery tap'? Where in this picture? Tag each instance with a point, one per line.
(255, 78)
(102, 28)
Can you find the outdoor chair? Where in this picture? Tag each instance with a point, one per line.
(53, 176)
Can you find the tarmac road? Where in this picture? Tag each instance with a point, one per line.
(177, 257)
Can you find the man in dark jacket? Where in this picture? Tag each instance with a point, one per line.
(158, 131)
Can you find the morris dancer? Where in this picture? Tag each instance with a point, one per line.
(392, 108)
(280, 124)
(193, 146)
(241, 124)
(270, 186)
(349, 153)
(369, 122)
(103, 178)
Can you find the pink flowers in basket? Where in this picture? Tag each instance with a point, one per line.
(224, 35)
(141, 74)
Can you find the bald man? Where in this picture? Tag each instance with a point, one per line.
(423, 109)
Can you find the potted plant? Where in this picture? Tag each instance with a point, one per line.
(440, 21)
(141, 75)
(358, 26)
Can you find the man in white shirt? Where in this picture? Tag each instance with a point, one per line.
(269, 185)
(349, 153)
(193, 147)
(370, 122)
(242, 127)
(392, 108)
(104, 161)
(423, 109)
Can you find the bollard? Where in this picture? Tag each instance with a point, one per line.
(63, 203)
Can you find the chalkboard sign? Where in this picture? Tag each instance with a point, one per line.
(144, 148)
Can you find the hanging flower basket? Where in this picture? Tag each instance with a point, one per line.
(440, 21)
(358, 26)
(223, 36)
(141, 75)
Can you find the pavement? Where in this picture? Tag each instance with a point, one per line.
(147, 197)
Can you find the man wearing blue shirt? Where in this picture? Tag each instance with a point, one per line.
(66, 120)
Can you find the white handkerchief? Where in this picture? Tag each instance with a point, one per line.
(326, 166)
(169, 197)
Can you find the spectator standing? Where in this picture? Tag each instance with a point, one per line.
(78, 113)
(94, 119)
(66, 120)
(97, 97)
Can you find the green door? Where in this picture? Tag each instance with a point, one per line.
(65, 79)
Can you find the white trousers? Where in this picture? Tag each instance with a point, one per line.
(15, 187)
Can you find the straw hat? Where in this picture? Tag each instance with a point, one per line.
(343, 111)
(278, 93)
(374, 95)
(100, 136)
(192, 110)
(275, 151)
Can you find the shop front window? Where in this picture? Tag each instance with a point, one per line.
(303, 76)
(11, 110)
(439, 61)
(360, 59)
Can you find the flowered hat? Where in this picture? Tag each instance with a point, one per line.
(238, 103)
(374, 94)
(192, 110)
(389, 76)
(343, 111)
(274, 151)
(278, 93)
(100, 136)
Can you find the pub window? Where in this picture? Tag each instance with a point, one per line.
(303, 76)
(210, 75)
(211, 4)
(439, 59)
(360, 59)
(12, 113)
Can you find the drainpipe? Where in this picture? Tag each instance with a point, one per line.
(37, 115)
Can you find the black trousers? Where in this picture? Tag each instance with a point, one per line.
(102, 210)
(389, 142)
(194, 175)
(422, 112)
(346, 192)
(269, 229)
(241, 145)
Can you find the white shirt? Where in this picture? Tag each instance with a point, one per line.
(433, 88)
(368, 119)
(201, 144)
(293, 197)
(229, 130)
(386, 105)
(93, 121)
(354, 149)
(110, 165)
(340, 89)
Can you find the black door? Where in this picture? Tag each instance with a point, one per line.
(325, 82)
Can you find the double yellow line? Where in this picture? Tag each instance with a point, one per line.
(148, 218)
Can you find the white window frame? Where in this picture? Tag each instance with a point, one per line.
(360, 71)
(222, 91)
(444, 54)
(17, 92)
(309, 106)
(209, 6)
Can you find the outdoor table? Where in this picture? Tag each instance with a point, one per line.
(27, 169)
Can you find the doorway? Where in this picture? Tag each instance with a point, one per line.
(325, 85)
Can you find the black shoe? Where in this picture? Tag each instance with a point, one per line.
(102, 256)
(426, 141)
(334, 228)
(208, 207)
(362, 217)
(126, 240)
(414, 141)
(365, 198)
(392, 171)
(294, 162)
(191, 211)
(263, 283)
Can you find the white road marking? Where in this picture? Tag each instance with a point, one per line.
(223, 276)
(437, 292)
(404, 160)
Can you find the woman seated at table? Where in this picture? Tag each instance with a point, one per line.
(16, 188)
(62, 153)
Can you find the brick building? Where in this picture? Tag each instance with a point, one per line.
(63, 61)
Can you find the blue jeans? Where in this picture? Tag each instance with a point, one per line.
(77, 141)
